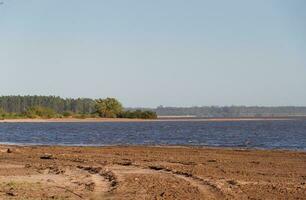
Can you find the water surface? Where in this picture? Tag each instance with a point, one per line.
(287, 134)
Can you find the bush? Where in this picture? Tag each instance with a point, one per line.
(39, 111)
(2, 114)
(80, 116)
(138, 114)
(6, 115)
(67, 114)
(94, 115)
(149, 115)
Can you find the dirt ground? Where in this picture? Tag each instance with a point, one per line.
(150, 173)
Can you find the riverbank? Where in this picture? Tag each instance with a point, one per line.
(67, 120)
(150, 173)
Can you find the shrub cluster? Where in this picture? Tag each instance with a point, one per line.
(138, 114)
(108, 108)
(40, 112)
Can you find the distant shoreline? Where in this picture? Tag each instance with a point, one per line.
(76, 120)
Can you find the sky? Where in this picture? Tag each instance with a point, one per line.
(163, 52)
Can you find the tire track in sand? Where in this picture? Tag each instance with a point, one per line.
(103, 181)
(206, 188)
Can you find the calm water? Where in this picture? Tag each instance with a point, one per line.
(250, 134)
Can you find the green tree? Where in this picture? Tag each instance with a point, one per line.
(109, 107)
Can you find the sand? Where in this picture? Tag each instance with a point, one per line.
(150, 173)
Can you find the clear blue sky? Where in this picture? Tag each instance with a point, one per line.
(161, 52)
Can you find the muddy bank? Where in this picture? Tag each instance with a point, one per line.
(150, 173)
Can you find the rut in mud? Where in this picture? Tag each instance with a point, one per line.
(203, 189)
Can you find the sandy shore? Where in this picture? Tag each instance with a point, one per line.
(67, 120)
(150, 173)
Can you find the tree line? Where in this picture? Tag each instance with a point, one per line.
(57, 107)
(232, 111)
(20, 104)
(53, 106)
